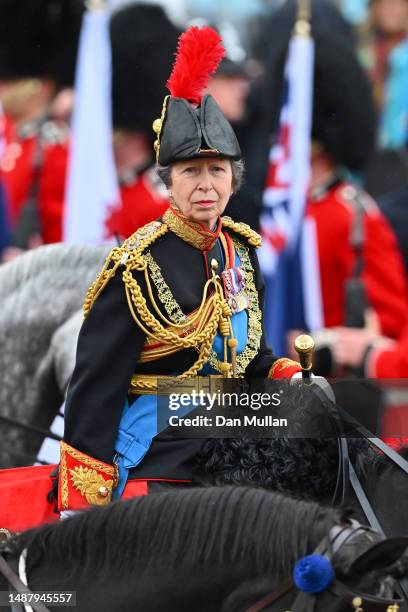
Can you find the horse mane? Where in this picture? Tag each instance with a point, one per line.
(249, 529)
(303, 467)
(52, 258)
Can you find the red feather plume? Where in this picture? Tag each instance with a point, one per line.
(199, 51)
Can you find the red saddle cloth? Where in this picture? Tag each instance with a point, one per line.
(23, 497)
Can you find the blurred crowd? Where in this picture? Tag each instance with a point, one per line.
(358, 196)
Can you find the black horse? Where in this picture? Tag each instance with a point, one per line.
(303, 468)
(307, 468)
(212, 549)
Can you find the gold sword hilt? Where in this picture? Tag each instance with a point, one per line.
(304, 346)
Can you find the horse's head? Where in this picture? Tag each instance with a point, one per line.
(353, 568)
(366, 568)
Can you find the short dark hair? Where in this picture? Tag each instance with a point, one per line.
(237, 167)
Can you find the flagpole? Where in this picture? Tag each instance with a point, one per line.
(96, 5)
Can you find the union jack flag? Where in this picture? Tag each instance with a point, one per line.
(288, 256)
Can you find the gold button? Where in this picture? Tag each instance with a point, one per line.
(357, 603)
(103, 491)
(157, 126)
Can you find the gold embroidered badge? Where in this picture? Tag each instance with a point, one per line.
(92, 485)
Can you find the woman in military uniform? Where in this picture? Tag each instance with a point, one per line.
(181, 297)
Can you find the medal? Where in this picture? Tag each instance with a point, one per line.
(233, 281)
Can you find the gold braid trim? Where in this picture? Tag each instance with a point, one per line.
(212, 313)
(152, 327)
(195, 234)
(85, 479)
(243, 229)
(131, 249)
(254, 312)
(155, 325)
(165, 295)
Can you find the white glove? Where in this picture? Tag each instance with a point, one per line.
(299, 375)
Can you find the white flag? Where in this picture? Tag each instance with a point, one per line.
(92, 189)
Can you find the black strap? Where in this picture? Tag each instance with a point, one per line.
(339, 416)
(19, 586)
(365, 433)
(45, 433)
(363, 501)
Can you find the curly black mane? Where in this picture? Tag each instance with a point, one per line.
(304, 468)
(295, 464)
(248, 529)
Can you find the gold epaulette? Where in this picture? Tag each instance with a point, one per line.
(133, 247)
(129, 254)
(243, 229)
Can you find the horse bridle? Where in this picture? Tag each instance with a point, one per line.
(346, 475)
(17, 581)
(306, 602)
(31, 429)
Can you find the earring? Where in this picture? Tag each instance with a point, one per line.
(172, 202)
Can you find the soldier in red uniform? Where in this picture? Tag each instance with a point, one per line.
(375, 356)
(360, 263)
(37, 58)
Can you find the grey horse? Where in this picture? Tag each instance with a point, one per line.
(41, 296)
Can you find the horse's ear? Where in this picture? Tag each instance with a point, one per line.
(379, 556)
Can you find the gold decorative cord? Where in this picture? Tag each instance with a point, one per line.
(254, 313)
(179, 331)
(131, 249)
(158, 126)
(197, 338)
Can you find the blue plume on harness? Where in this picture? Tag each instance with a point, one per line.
(313, 574)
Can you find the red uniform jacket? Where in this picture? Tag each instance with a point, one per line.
(44, 144)
(390, 361)
(383, 273)
(16, 168)
(142, 201)
(144, 198)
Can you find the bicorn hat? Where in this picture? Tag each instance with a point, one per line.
(192, 125)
